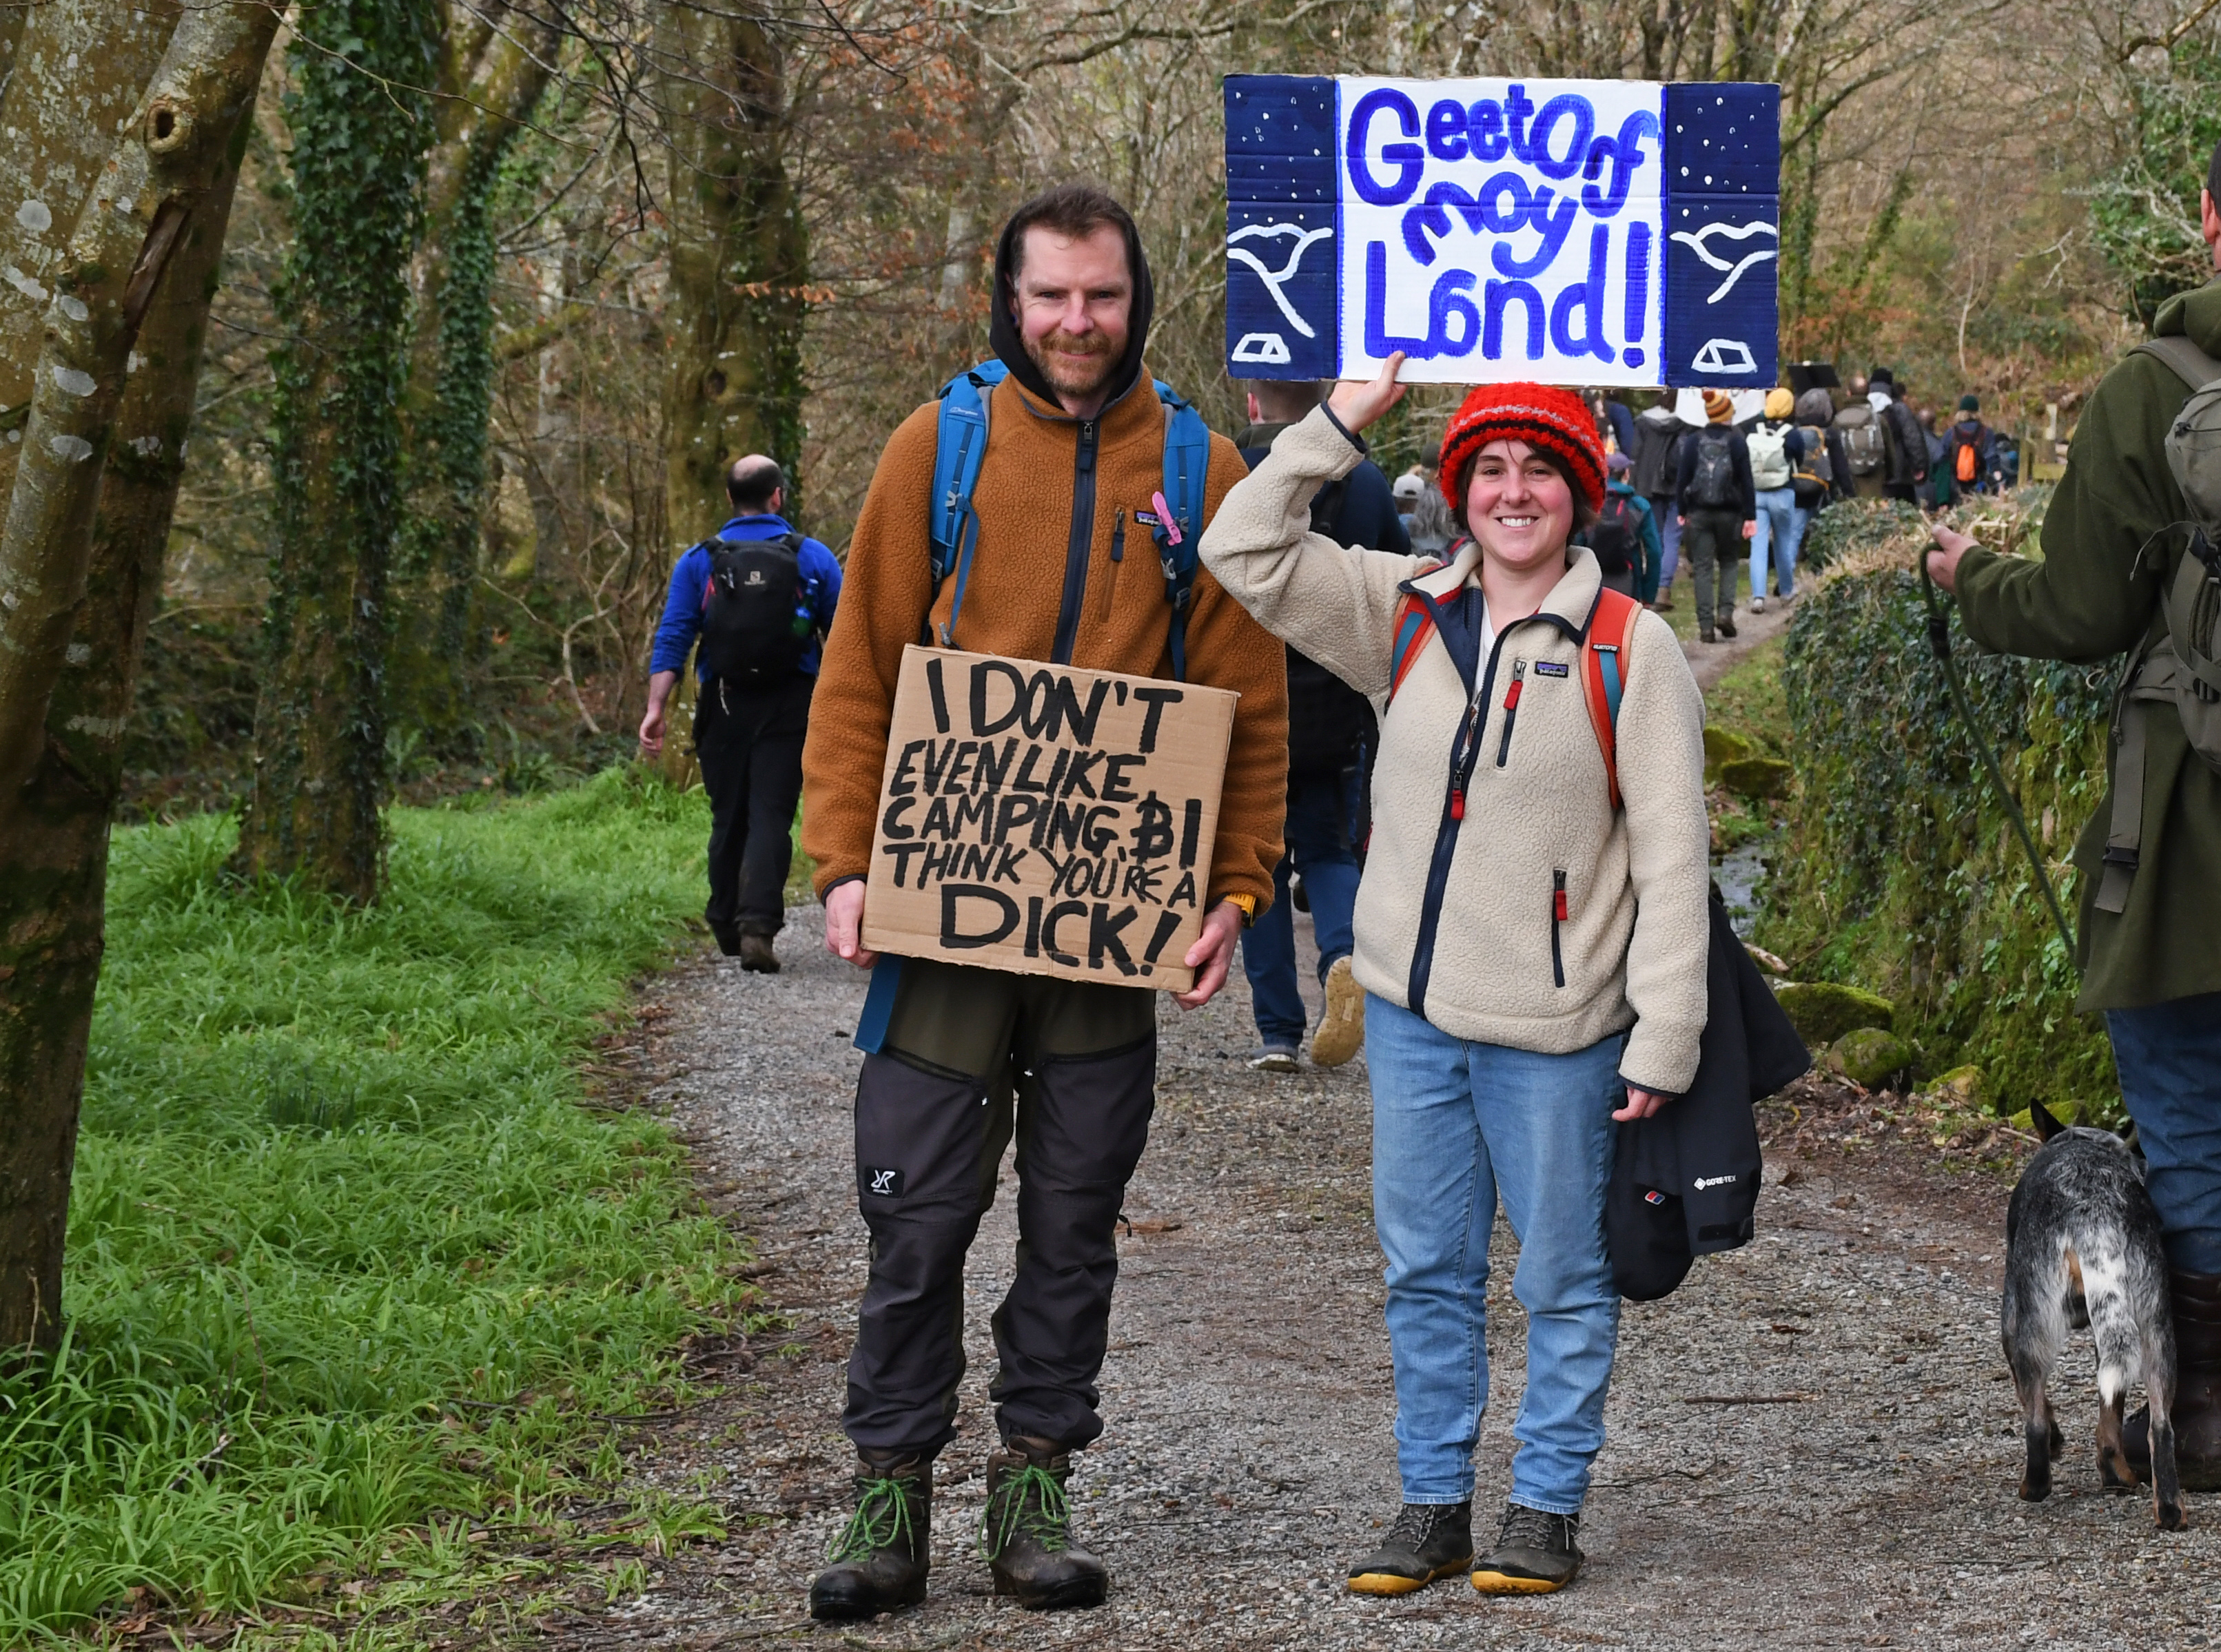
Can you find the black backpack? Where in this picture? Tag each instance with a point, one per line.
(1713, 485)
(1615, 533)
(756, 622)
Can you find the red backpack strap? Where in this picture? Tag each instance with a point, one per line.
(1604, 656)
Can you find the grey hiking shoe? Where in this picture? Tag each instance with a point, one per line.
(879, 1562)
(1274, 1058)
(1025, 1533)
(1429, 1541)
(1534, 1553)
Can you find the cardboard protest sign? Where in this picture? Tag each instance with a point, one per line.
(1047, 819)
(1577, 232)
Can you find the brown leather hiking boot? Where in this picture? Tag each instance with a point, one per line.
(2196, 1412)
(1026, 1533)
(881, 1558)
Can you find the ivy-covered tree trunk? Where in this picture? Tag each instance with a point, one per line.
(740, 258)
(76, 71)
(491, 80)
(359, 130)
(95, 499)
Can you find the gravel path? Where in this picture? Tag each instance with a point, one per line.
(1865, 1500)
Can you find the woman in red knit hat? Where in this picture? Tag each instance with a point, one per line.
(1530, 927)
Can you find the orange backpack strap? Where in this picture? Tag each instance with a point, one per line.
(1414, 625)
(1604, 656)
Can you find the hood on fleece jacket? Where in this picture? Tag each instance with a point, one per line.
(1009, 345)
(2196, 314)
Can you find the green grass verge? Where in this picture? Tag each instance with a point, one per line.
(1751, 700)
(345, 1252)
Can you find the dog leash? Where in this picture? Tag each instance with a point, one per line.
(1939, 643)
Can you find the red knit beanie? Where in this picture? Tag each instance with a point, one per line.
(1542, 415)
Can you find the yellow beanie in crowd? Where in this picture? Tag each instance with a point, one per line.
(1780, 404)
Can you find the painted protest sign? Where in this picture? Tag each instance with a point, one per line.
(1047, 819)
(1578, 232)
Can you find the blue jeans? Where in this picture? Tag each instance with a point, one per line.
(1781, 529)
(2170, 1057)
(1455, 1124)
(1320, 810)
(1669, 537)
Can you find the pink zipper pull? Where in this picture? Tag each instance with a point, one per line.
(1173, 535)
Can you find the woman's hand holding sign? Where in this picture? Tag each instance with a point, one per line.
(1359, 402)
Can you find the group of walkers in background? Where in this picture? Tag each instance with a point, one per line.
(1709, 476)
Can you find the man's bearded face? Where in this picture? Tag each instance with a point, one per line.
(1076, 300)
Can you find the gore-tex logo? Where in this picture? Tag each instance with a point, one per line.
(1713, 1182)
(888, 1184)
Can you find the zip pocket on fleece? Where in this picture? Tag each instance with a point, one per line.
(1109, 584)
(1557, 925)
(1510, 715)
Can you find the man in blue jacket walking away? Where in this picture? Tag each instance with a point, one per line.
(757, 597)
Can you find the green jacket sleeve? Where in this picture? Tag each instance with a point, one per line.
(2089, 598)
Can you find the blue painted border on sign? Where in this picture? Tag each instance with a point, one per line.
(1723, 232)
(1283, 226)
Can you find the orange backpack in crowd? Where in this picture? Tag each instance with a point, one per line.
(1604, 664)
(1967, 464)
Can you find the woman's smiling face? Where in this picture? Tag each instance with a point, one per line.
(1518, 506)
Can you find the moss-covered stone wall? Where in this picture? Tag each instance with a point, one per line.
(1900, 871)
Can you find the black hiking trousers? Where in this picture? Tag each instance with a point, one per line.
(972, 1057)
(1713, 543)
(748, 740)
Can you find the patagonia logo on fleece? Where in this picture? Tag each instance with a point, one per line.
(1551, 668)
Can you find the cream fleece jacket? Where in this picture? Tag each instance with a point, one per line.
(1455, 918)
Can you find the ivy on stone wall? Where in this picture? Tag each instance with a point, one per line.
(1900, 872)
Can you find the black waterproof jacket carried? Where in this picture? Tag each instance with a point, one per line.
(1684, 1181)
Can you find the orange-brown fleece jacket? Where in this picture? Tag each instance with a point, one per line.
(1017, 589)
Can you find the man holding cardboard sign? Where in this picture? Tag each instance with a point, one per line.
(1039, 790)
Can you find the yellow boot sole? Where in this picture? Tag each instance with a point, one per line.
(1342, 1028)
(1393, 1583)
(1500, 1583)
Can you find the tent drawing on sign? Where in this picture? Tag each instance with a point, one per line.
(1581, 232)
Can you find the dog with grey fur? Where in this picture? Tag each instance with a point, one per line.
(2082, 1248)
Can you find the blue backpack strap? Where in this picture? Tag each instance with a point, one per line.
(1187, 465)
(959, 445)
(878, 1004)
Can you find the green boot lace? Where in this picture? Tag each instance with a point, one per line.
(1030, 1503)
(882, 1520)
